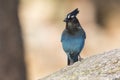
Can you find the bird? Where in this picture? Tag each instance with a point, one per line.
(73, 37)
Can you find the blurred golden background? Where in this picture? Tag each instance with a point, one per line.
(42, 25)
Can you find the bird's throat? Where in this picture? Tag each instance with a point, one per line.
(72, 28)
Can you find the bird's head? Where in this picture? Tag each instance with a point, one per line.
(72, 23)
(71, 17)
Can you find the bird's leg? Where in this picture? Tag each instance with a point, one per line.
(79, 58)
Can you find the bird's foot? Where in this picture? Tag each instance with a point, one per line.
(80, 59)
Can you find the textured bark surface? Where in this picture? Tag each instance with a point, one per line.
(105, 66)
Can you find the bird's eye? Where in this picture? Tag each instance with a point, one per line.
(72, 16)
(68, 16)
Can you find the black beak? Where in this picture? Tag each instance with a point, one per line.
(65, 20)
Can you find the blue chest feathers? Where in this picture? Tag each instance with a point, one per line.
(72, 43)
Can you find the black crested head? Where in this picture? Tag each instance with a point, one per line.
(74, 12)
(72, 23)
(71, 15)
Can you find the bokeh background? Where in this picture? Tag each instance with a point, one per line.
(42, 25)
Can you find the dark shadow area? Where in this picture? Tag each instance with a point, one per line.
(106, 9)
(12, 65)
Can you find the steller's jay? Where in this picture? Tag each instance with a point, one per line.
(73, 37)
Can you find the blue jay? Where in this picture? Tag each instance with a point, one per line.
(73, 37)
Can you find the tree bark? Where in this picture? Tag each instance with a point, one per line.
(12, 65)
